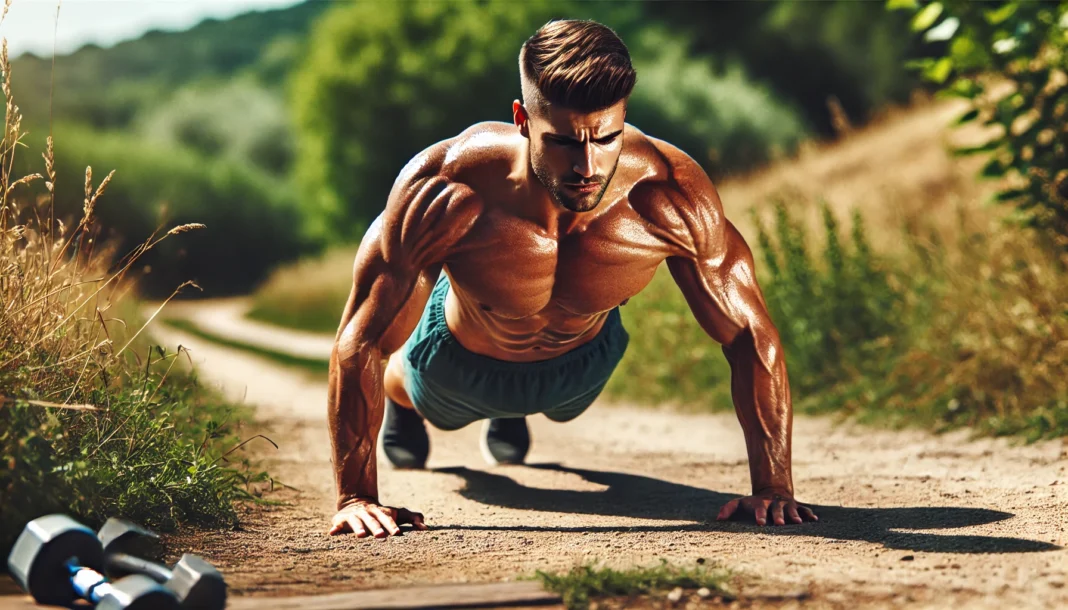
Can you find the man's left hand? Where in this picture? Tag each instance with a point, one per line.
(779, 503)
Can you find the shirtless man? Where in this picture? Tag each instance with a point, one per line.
(543, 228)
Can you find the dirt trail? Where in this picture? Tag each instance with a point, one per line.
(906, 517)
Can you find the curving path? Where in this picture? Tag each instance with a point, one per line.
(907, 518)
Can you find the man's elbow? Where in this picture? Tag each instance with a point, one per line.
(353, 350)
(757, 341)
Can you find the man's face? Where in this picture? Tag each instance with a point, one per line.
(574, 154)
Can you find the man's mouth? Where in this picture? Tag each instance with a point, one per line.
(584, 188)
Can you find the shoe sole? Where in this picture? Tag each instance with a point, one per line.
(483, 445)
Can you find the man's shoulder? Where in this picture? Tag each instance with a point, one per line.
(479, 149)
(672, 183)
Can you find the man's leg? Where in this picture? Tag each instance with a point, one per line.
(404, 438)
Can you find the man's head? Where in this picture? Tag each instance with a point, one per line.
(576, 77)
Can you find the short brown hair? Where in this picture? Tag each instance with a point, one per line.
(577, 64)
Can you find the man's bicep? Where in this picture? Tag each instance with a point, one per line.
(720, 286)
(379, 290)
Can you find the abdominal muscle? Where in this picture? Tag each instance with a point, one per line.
(547, 334)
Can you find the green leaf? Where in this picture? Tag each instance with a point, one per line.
(943, 31)
(896, 5)
(965, 151)
(1009, 194)
(967, 117)
(926, 17)
(939, 71)
(1001, 14)
(992, 169)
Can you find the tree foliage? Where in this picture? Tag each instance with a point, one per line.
(383, 81)
(1009, 59)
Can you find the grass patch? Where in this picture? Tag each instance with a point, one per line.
(314, 365)
(584, 584)
(95, 422)
(308, 295)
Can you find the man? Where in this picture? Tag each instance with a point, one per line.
(543, 228)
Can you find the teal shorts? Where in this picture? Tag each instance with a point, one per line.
(452, 386)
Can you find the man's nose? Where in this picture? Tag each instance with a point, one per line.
(584, 165)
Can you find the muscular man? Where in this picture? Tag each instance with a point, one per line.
(493, 279)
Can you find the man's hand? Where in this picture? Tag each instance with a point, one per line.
(364, 517)
(780, 502)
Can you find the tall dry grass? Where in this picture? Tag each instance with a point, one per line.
(93, 420)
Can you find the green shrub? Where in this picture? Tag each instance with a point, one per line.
(992, 348)
(237, 121)
(252, 221)
(86, 427)
(373, 92)
(839, 314)
(1009, 59)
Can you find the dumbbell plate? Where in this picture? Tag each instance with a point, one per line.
(38, 561)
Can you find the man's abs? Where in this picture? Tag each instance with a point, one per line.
(544, 335)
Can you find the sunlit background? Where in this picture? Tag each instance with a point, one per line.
(898, 169)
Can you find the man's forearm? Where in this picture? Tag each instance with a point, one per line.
(355, 410)
(762, 403)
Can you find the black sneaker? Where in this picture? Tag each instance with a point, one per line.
(505, 441)
(404, 438)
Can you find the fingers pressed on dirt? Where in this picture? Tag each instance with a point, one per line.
(385, 519)
(417, 521)
(356, 525)
(791, 509)
(776, 512)
(761, 514)
(727, 510)
(372, 523)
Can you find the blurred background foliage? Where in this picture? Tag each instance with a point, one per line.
(1009, 60)
(283, 132)
(310, 111)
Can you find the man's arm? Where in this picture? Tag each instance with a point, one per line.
(715, 272)
(425, 215)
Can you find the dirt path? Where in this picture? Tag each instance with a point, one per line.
(906, 517)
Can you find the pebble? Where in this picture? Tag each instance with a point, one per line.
(675, 595)
(703, 592)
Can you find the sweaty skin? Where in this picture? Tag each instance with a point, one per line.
(532, 279)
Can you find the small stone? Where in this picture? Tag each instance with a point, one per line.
(703, 592)
(675, 595)
(908, 558)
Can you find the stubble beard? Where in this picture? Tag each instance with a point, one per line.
(557, 190)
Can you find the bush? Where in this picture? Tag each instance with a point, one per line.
(1010, 61)
(840, 314)
(373, 93)
(993, 348)
(85, 427)
(252, 219)
(237, 121)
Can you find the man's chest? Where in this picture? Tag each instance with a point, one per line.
(515, 268)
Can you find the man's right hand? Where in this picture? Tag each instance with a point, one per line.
(365, 517)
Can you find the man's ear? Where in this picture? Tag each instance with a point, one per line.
(521, 118)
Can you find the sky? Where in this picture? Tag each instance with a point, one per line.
(31, 25)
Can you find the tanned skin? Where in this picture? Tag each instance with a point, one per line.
(535, 267)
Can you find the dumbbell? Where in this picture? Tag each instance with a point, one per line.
(58, 560)
(195, 582)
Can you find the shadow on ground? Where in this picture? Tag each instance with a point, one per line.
(642, 497)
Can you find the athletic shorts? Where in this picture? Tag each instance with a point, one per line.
(452, 386)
